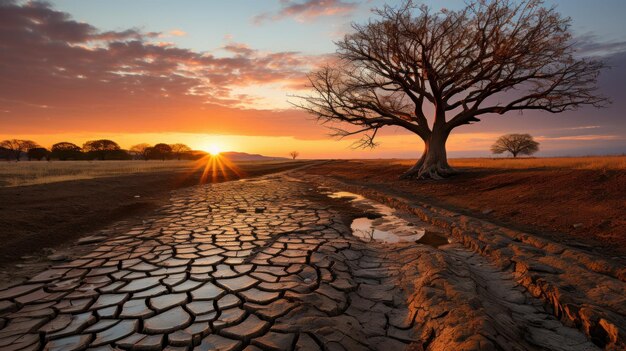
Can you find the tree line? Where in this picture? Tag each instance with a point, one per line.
(101, 149)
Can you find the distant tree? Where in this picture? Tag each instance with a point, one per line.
(294, 154)
(161, 151)
(17, 146)
(141, 150)
(37, 153)
(516, 144)
(118, 155)
(430, 72)
(101, 148)
(66, 151)
(179, 150)
(5, 154)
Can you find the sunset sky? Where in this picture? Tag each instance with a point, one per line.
(221, 72)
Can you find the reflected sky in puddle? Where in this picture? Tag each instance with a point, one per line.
(388, 228)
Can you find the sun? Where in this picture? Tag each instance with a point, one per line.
(214, 149)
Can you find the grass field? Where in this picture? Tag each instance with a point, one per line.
(591, 162)
(41, 172)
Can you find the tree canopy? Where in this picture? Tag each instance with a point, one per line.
(515, 144)
(102, 148)
(430, 72)
(179, 150)
(160, 151)
(18, 146)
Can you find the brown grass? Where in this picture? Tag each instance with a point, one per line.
(591, 162)
(43, 172)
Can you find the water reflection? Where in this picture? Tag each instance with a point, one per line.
(388, 227)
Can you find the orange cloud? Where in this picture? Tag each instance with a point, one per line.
(177, 33)
(308, 10)
(57, 74)
(588, 137)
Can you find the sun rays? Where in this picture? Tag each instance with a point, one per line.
(217, 167)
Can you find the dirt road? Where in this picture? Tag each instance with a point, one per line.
(272, 264)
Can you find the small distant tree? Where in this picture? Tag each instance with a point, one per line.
(66, 151)
(17, 146)
(294, 154)
(101, 148)
(37, 153)
(516, 144)
(141, 150)
(179, 150)
(161, 151)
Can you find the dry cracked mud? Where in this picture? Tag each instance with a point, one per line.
(271, 264)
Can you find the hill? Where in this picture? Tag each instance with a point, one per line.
(242, 156)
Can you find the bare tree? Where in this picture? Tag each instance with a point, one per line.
(18, 146)
(142, 150)
(516, 144)
(430, 72)
(294, 154)
(180, 149)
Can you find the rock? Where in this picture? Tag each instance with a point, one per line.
(538, 267)
(58, 257)
(91, 239)
(487, 211)
(577, 225)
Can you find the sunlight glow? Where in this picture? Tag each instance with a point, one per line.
(214, 149)
(217, 168)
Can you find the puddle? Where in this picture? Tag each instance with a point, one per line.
(388, 227)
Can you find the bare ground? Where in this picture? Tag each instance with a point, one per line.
(49, 215)
(581, 207)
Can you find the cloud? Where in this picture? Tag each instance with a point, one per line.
(177, 33)
(57, 74)
(308, 10)
(238, 48)
(583, 127)
(588, 137)
(589, 45)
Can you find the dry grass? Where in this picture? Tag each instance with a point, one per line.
(591, 162)
(41, 172)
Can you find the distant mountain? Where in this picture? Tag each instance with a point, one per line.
(242, 156)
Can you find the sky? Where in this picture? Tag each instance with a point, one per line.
(224, 72)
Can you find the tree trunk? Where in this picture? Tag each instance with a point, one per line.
(434, 161)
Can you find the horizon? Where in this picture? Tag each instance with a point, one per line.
(216, 74)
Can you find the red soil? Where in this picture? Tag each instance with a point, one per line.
(582, 207)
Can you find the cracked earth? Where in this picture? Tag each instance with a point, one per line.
(271, 264)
